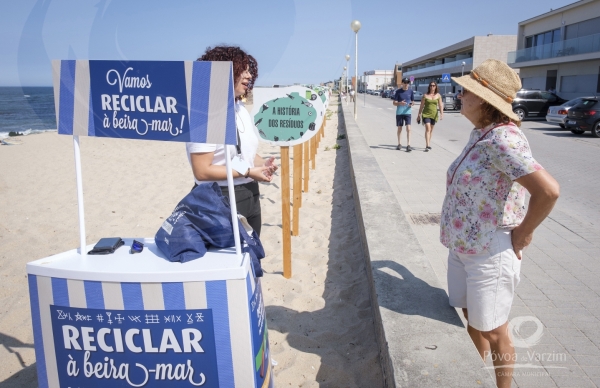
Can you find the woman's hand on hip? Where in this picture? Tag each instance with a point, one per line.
(520, 240)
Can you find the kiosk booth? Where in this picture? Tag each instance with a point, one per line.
(139, 320)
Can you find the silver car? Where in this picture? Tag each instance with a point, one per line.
(558, 114)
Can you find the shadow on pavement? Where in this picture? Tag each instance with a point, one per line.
(416, 296)
(391, 147)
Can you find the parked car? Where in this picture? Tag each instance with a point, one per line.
(585, 116)
(376, 93)
(418, 95)
(531, 102)
(558, 114)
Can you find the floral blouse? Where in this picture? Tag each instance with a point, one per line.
(483, 196)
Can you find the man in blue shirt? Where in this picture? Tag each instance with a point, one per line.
(404, 99)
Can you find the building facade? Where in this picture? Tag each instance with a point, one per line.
(456, 59)
(560, 50)
(376, 80)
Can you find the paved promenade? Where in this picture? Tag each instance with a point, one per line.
(557, 308)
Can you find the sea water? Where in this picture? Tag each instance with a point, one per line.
(26, 110)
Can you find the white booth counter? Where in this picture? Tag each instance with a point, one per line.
(138, 320)
(150, 265)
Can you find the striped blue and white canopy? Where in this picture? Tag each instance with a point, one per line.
(146, 100)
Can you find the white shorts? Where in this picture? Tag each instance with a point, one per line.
(485, 283)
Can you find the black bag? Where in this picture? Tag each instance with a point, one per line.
(203, 219)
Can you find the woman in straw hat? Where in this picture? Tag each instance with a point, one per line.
(484, 222)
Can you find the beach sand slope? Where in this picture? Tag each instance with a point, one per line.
(320, 322)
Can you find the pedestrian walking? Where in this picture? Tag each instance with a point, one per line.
(404, 99)
(352, 96)
(428, 111)
(484, 223)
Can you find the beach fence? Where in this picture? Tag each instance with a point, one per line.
(292, 116)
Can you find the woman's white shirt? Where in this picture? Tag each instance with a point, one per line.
(248, 138)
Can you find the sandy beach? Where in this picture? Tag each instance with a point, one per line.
(320, 322)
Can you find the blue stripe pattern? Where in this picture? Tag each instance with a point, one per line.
(94, 297)
(199, 101)
(132, 296)
(173, 296)
(216, 297)
(66, 104)
(38, 341)
(230, 129)
(60, 292)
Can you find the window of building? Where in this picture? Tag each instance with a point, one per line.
(547, 37)
(584, 28)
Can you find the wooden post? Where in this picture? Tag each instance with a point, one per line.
(285, 212)
(297, 189)
(313, 145)
(306, 159)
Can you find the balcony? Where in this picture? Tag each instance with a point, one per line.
(439, 67)
(564, 48)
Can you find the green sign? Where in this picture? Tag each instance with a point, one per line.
(287, 116)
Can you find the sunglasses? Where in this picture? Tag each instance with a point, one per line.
(432, 85)
(136, 247)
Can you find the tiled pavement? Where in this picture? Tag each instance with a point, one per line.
(558, 296)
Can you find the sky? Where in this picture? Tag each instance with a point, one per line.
(294, 41)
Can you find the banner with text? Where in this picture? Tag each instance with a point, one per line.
(147, 100)
(134, 348)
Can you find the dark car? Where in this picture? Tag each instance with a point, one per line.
(585, 116)
(534, 103)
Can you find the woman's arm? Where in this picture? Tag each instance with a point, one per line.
(544, 190)
(441, 106)
(421, 105)
(204, 170)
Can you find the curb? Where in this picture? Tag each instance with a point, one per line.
(422, 341)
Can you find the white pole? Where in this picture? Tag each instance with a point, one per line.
(355, 67)
(232, 204)
(82, 249)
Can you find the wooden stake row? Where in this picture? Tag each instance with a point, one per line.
(303, 155)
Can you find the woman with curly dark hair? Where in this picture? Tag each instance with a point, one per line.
(208, 160)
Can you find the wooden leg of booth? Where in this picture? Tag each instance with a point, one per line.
(285, 212)
(306, 160)
(297, 189)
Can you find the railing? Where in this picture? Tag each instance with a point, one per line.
(581, 45)
(439, 67)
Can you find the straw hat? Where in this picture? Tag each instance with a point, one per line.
(495, 82)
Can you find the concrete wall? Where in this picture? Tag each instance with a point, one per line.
(493, 47)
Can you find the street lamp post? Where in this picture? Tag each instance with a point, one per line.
(345, 74)
(348, 65)
(463, 68)
(355, 25)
